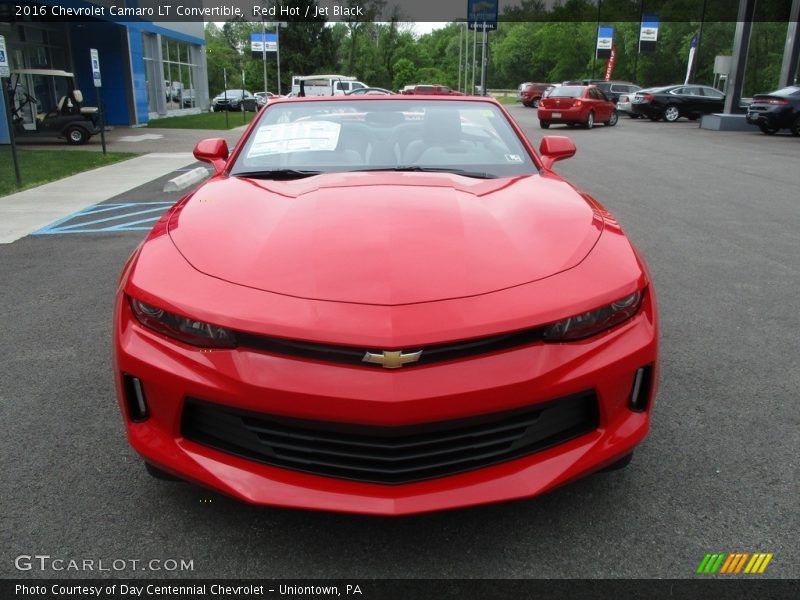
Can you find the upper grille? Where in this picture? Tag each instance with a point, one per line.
(389, 455)
(355, 356)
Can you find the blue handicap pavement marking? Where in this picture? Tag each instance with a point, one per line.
(126, 216)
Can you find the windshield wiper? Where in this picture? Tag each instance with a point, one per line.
(277, 174)
(419, 169)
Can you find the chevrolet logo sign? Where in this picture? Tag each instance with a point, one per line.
(392, 359)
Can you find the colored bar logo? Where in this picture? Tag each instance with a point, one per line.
(734, 563)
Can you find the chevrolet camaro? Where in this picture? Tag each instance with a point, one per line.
(385, 305)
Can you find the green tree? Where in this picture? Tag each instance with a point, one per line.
(405, 73)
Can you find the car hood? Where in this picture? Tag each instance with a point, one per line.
(385, 238)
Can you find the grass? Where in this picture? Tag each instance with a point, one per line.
(42, 166)
(507, 99)
(206, 120)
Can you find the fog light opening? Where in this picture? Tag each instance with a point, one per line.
(134, 396)
(640, 393)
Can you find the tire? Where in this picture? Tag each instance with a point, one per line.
(157, 473)
(796, 126)
(535, 103)
(620, 464)
(767, 129)
(589, 120)
(612, 120)
(671, 113)
(76, 136)
(544, 124)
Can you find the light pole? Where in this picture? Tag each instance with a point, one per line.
(474, 58)
(264, 53)
(463, 52)
(483, 59)
(460, 38)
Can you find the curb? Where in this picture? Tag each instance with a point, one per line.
(186, 180)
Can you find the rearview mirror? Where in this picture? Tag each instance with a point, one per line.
(214, 151)
(555, 147)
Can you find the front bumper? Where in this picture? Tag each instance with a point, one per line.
(255, 381)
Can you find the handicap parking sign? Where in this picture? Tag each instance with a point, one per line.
(5, 71)
(95, 67)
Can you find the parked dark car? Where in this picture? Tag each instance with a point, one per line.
(235, 100)
(777, 110)
(530, 94)
(577, 104)
(675, 101)
(369, 91)
(612, 89)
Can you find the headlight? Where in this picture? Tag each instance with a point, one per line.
(189, 331)
(593, 322)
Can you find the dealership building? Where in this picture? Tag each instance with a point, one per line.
(148, 69)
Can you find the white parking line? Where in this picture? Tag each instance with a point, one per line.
(25, 212)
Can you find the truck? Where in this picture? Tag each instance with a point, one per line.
(324, 85)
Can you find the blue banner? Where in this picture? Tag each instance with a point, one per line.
(482, 13)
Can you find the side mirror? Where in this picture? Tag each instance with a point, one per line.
(553, 148)
(214, 151)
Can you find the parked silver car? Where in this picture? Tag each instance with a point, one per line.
(625, 103)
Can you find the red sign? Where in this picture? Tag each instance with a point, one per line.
(611, 62)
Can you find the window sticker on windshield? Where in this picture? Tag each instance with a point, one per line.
(304, 136)
(487, 112)
(513, 158)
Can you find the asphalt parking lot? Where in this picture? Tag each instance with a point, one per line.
(716, 215)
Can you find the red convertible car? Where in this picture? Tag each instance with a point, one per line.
(577, 105)
(385, 305)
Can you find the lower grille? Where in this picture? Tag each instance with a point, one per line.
(389, 455)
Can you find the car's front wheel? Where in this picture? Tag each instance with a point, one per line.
(535, 103)
(612, 120)
(767, 129)
(620, 464)
(544, 124)
(157, 473)
(671, 113)
(589, 120)
(796, 126)
(77, 136)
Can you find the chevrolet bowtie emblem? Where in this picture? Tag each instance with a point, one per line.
(392, 359)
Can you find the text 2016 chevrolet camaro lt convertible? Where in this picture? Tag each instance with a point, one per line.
(385, 305)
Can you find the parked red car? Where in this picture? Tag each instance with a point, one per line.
(577, 104)
(530, 94)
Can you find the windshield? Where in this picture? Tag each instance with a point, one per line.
(567, 91)
(792, 90)
(295, 139)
